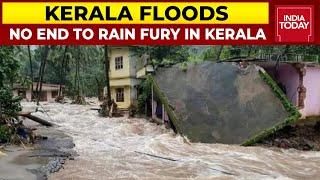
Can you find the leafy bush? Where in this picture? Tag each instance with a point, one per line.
(145, 90)
(5, 134)
(9, 66)
(184, 66)
(9, 105)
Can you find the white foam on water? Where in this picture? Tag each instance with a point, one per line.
(113, 148)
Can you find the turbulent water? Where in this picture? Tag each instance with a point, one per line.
(122, 148)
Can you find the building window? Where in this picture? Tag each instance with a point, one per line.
(119, 62)
(43, 96)
(54, 94)
(120, 95)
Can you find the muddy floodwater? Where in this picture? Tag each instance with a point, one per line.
(122, 148)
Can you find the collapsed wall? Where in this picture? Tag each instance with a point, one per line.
(222, 103)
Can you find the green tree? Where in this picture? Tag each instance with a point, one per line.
(85, 66)
(31, 69)
(44, 58)
(9, 66)
(107, 69)
(9, 105)
(164, 55)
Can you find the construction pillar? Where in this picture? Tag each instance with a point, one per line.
(163, 114)
(152, 104)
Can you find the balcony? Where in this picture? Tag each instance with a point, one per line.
(144, 71)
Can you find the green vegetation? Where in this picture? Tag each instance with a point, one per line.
(164, 56)
(9, 105)
(293, 117)
(9, 66)
(5, 133)
(165, 102)
(79, 68)
(184, 66)
(145, 89)
(82, 68)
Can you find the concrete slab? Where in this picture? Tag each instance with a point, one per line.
(220, 102)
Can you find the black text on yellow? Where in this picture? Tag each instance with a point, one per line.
(171, 13)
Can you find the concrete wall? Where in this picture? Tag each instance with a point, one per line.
(28, 95)
(49, 96)
(124, 78)
(133, 63)
(289, 77)
(127, 100)
(130, 91)
(133, 96)
(312, 83)
(234, 103)
(117, 52)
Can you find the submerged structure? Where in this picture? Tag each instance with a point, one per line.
(125, 71)
(48, 93)
(300, 81)
(233, 103)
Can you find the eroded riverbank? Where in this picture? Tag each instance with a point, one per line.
(50, 151)
(113, 148)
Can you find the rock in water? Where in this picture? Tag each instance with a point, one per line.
(220, 102)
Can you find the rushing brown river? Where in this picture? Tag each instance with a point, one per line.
(122, 148)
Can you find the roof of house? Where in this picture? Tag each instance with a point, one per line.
(268, 61)
(45, 87)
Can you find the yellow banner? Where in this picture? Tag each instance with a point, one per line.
(135, 13)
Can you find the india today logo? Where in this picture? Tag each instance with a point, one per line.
(295, 24)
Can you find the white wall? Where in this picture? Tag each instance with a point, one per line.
(311, 82)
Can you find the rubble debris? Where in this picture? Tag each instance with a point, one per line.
(109, 108)
(132, 110)
(317, 127)
(301, 137)
(14, 132)
(60, 99)
(223, 102)
(79, 100)
(47, 155)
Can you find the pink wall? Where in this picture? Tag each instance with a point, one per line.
(289, 77)
(312, 83)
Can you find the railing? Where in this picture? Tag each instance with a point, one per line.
(290, 57)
